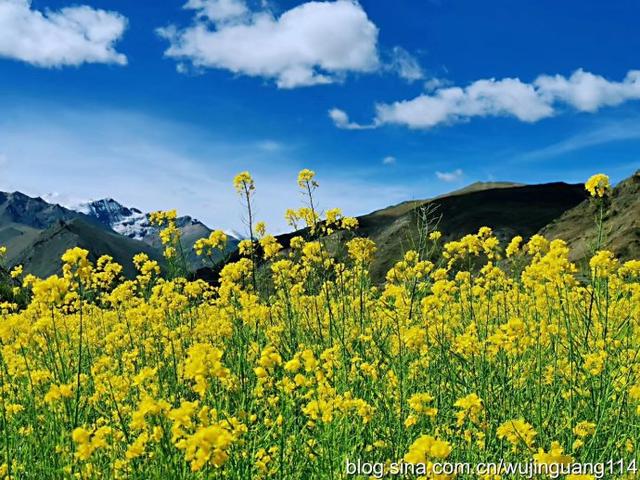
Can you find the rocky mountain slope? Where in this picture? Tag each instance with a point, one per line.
(42, 257)
(134, 224)
(509, 209)
(129, 222)
(23, 218)
(621, 222)
(37, 233)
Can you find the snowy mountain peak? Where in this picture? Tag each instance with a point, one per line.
(129, 222)
(107, 210)
(136, 224)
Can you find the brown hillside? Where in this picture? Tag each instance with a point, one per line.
(621, 223)
(507, 208)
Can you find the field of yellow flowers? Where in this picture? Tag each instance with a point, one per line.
(295, 362)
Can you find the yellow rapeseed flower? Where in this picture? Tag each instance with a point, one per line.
(598, 185)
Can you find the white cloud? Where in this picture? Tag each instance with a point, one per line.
(68, 37)
(435, 83)
(508, 97)
(389, 160)
(313, 43)
(405, 65)
(482, 98)
(453, 176)
(341, 120)
(588, 92)
(218, 10)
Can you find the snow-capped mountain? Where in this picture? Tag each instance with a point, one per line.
(135, 224)
(129, 222)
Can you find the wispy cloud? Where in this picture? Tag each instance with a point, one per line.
(153, 163)
(389, 160)
(270, 145)
(615, 132)
(435, 83)
(450, 177)
(341, 120)
(405, 65)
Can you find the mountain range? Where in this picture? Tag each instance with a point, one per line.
(134, 224)
(36, 232)
(556, 210)
(508, 208)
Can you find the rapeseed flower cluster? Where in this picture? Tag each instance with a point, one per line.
(598, 185)
(295, 361)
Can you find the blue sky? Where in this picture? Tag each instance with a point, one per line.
(158, 105)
